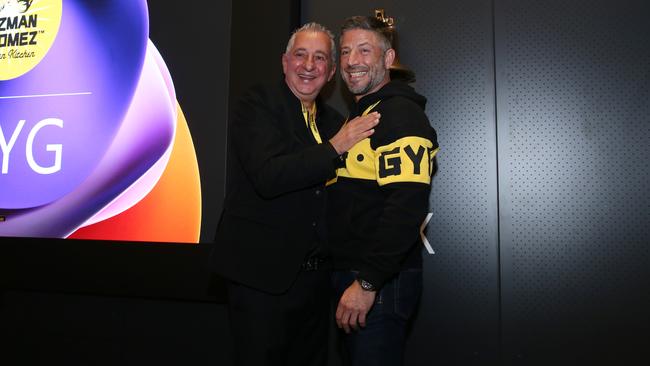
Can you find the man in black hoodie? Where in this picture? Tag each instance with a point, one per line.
(379, 201)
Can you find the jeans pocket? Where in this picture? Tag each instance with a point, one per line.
(408, 288)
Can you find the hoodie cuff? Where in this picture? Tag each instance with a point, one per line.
(377, 279)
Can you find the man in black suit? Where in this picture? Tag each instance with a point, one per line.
(270, 240)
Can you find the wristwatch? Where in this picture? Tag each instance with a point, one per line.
(366, 285)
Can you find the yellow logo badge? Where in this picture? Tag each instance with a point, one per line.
(27, 31)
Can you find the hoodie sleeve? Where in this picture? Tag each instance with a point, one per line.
(404, 156)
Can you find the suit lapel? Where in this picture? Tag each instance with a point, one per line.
(295, 120)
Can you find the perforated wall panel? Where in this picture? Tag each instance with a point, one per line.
(574, 141)
(449, 45)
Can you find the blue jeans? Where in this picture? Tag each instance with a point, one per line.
(381, 342)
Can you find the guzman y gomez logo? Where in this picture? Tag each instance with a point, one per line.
(27, 30)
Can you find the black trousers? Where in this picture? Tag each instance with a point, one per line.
(281, 330)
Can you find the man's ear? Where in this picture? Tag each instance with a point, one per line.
(332, 72)
(389, 58)
(285, 63)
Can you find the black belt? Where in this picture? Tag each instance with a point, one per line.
(313, 264)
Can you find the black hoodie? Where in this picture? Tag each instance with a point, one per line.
(381, 196)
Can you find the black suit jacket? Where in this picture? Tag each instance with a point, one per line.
(273, 214)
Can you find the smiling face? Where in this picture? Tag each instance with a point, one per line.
(307, 65)
(364, 63)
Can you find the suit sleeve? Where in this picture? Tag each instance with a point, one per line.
(262, 142)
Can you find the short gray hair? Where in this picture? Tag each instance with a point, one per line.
(381, 29)
(314, 28)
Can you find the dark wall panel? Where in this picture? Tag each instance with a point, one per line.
(259, 34)
(198, 56)
(449, 46)
(574, 140)
(65, 329)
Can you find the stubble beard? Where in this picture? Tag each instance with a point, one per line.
(376, 76)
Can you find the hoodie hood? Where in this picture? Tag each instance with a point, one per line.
(392, 89)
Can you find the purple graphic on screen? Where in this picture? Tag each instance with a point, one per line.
(99, 51)
(114, 126)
